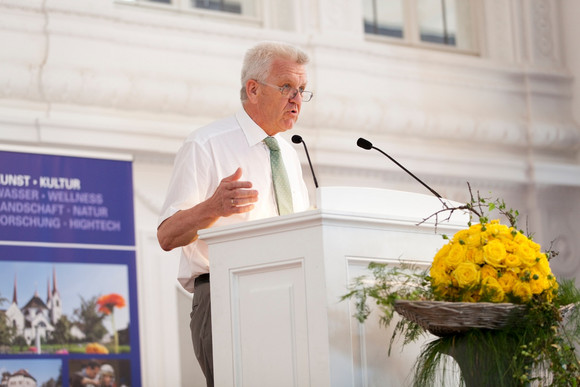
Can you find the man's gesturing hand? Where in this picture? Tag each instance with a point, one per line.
(233, 196)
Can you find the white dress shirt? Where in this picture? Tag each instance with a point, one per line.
(214, 152)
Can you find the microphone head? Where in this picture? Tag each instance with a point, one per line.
(296, 139)
(365, 144)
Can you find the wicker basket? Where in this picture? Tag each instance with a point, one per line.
(450, 318)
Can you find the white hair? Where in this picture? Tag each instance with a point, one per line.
(258, 61)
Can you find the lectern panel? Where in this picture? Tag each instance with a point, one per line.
(269, 306)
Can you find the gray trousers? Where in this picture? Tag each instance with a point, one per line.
(200, 326)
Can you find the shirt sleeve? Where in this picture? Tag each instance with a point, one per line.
(191, 181)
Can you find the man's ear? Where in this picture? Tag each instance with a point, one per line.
(252, 89)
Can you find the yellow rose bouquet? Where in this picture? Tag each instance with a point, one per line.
(492, 263)
(486, 267)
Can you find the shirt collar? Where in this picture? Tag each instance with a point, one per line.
(253, 132)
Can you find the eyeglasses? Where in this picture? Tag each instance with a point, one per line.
(289, 92)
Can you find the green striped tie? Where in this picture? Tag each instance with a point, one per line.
(280, 178)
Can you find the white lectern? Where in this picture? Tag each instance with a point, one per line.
(276, 286)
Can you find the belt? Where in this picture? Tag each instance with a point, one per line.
(202, 279)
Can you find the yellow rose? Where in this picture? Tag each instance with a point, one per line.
(467, 274)
(488, 271)
(443, 251)
(437, 268)
(522, 291)
(520, 238)
(456, 255)
(507, 281)
(475, 239)
(470, 297)
(439, 259)
(536, 247)
(512, 260)
(475, 233)
(498, 231)
(475, 255)
(543, 266)
(493, 227)
(526, 253)
(526, 249)
(492, 290)
(475, 228)
(461, 235)
(510, 246)
(538, 282)
(439, 275)
(494, 253)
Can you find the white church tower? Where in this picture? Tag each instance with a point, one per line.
(13, 313)
(53, 300)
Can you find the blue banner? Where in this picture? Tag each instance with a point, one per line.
(47, 198)
(68, 291)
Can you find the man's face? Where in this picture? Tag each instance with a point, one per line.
(92, 372)
(107, 380)
(277, 113)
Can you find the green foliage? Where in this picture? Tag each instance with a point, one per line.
(6, 330)
(483, 356)
(90, 321)
(61, 334)
(20, 343)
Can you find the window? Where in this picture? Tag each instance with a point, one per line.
(443, 23)
(219, 5)
(232, 7)
(384, 17)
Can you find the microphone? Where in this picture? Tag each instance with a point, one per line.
(365, 144)
(296, 139)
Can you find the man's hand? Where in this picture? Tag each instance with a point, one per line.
(233, 196)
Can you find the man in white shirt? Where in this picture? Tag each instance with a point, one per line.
(223, 175)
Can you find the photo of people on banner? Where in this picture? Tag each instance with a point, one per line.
(49, 373)
(99, 373)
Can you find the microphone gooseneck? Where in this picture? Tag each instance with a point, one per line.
(365, 144)
(296, 139)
